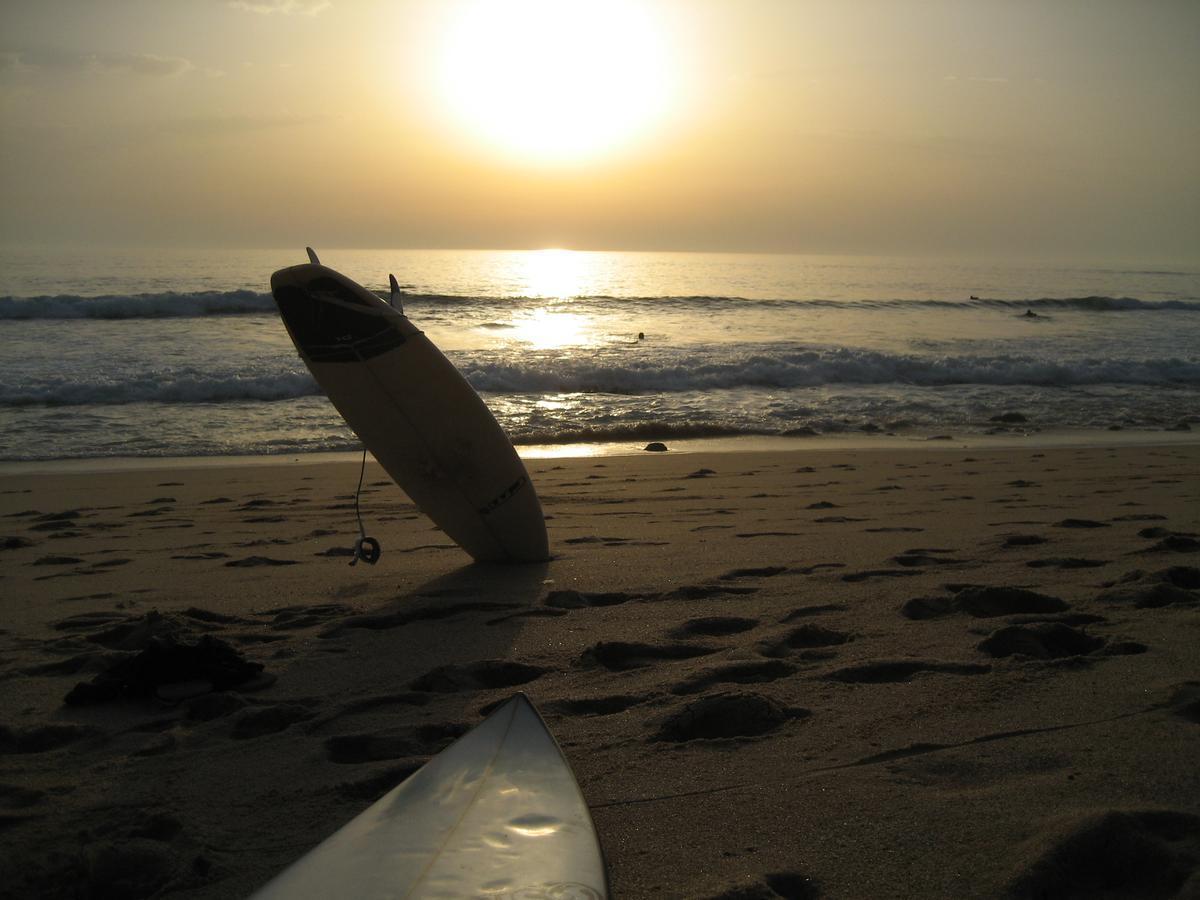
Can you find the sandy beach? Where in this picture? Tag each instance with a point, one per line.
(933, 672)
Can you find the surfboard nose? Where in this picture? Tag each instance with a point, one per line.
(330, 318)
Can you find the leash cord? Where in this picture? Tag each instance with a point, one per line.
(365, 548)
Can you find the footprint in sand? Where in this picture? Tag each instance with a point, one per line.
(57, 526)
(208, 707)
(145, 513)
(483, 675)
(726, 715)
(56, 561)
(803, 612)
(808, 637)
(251, 562)
(762, 572)
(595, 706)
(41, 738)
(983, 602)
(735, 673)
(1066, 562)
(853, 577)
(1185, 701)
(898, 670)
(703, 592)
(781, 885)
(759, 534)
(921, 557)
(1042, 640)
(1173, 586)
(1175, 542)
(1116, 853)
(385, 621)
(260, 721)
(336, 551)
(111, 563)
(423, 740)
(15, 796)
(288, 618)
(620, 656)
(713, 626)
(387, 703)
(1023, 540)
(535, 612)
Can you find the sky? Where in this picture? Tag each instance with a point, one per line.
(980, 128)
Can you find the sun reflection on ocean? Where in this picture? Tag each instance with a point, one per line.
(550, 329)
(557, 276)
(554, 273)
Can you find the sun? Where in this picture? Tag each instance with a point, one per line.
(555, 81)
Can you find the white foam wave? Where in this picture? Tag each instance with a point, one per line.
(615, 371)
(168, 304)
(159, 388)
(615, 374)
(171, 304)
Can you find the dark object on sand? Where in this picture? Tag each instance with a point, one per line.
(209, 664)
(656, 447)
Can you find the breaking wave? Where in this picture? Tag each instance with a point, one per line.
(158, 388)
(171, 304)
(166, 305)
(707, 368)
(808, 367)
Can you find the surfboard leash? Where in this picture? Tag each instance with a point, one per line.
(365, 548)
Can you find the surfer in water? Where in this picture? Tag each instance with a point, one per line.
(1030, 314)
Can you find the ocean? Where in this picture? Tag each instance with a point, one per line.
(174, 353)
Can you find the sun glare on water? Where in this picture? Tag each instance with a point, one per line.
(555, 81)
(545, 329)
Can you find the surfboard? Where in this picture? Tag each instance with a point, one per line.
(414, 411)
(497, 814)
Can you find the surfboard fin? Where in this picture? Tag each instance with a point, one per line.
(395, 299)
(312, 256)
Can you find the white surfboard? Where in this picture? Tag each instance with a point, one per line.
(495, 815)
(416, 414)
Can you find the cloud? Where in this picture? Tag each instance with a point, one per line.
(49, 59)
(284, 7)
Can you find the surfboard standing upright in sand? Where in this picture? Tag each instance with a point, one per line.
(413, 410)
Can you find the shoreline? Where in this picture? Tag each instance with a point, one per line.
(1039, 440)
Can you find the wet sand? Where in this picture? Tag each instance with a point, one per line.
(923, 673)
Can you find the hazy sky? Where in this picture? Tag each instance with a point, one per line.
(982, 127)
